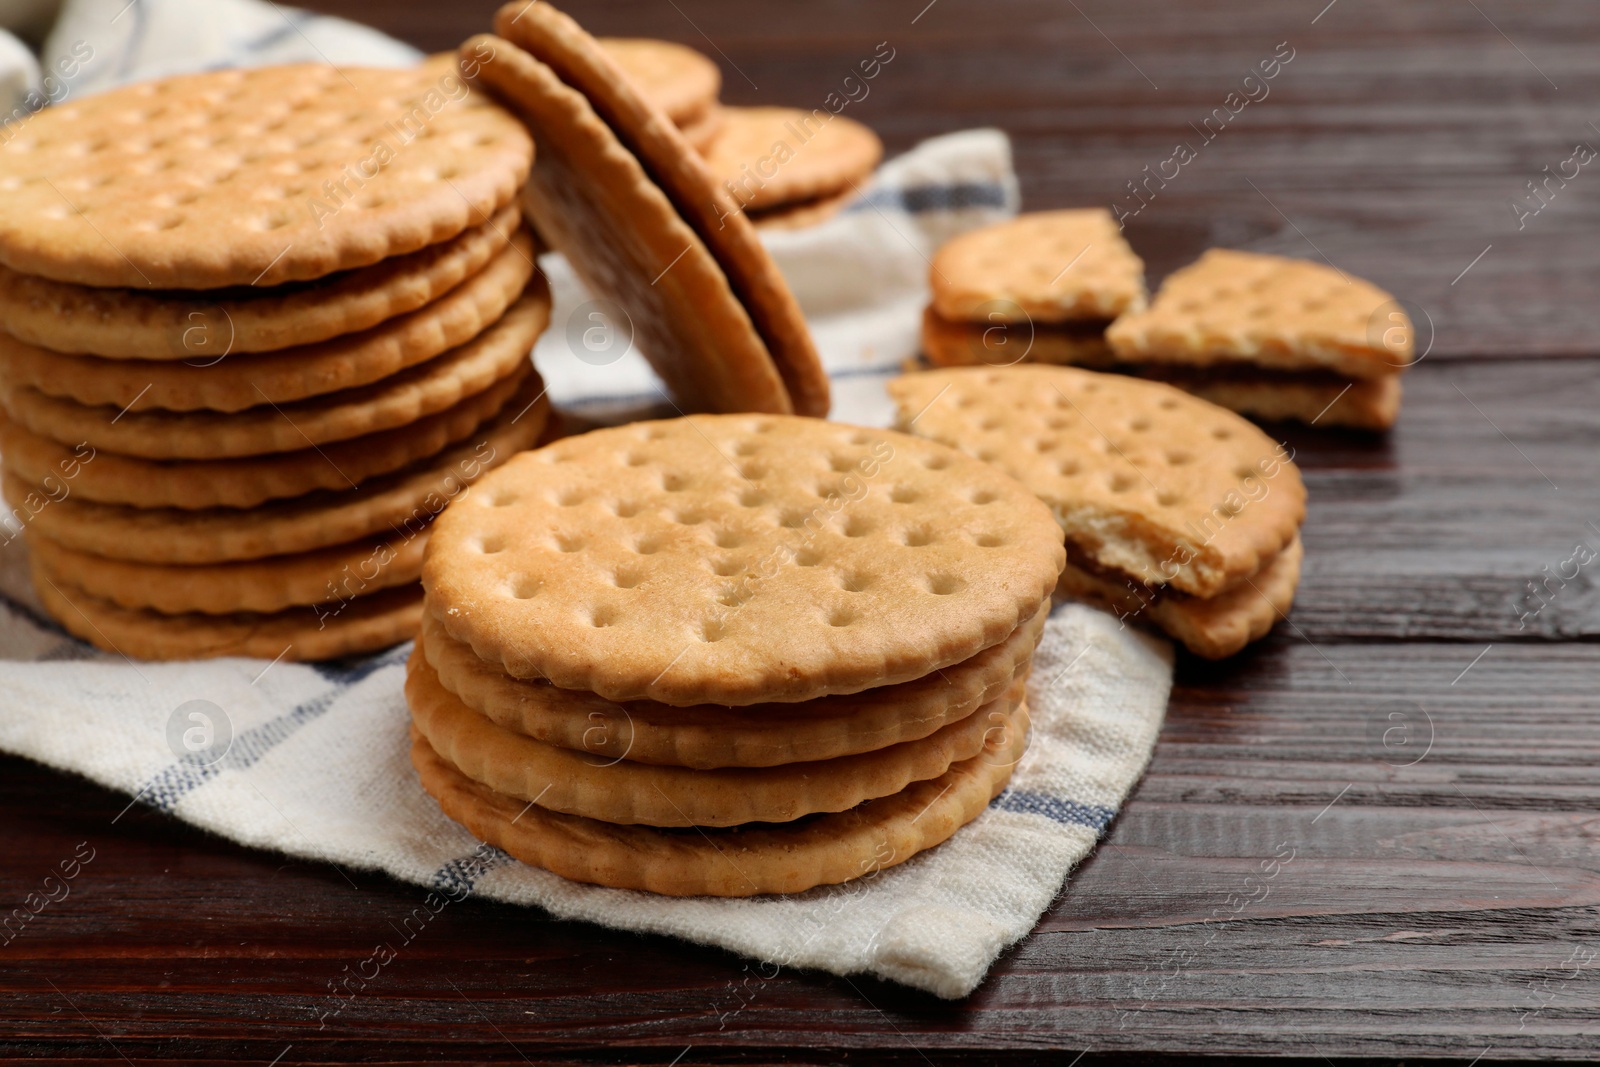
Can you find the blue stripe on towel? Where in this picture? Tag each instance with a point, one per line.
(1094, 816)
(458, 878)
(921, 199)
(167, 787)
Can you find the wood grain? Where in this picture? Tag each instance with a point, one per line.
(1418, 768)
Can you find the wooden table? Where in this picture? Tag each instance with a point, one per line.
(1430, 762)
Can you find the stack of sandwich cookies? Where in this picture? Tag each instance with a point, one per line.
(681, 82)
(1274, 338)
(238, 390)
(643, 222)
(729, 655)
(788, 168)
(1042, 288)
(1177, 513)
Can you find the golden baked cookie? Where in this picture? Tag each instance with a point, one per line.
(1214, 628)
(1144, 479)
(245, 481)
(590, 198)
(680, 81)
(711, 735)
(225, 382)
(736, 861)
(1004, 343)
(404, 502)
(399, 400)
(264, 585)
(253, 177)
(622, 791)
(739, 560)
(1272, 312)
(199, 327)
(1043, 266)
(769, 157)
(1357, 403)
(325, 631)
(690, 186)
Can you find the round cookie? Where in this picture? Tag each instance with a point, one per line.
(246, 481)
(265, 585)
(403, 502)
(711, 735)
(228, 383)
(805, 213)
(1042, 267)
(1272, 312)
(1143, 477)
(326, 631)
(680, 81)
(739, 560)
(739, 861)
(253, 177)
(621, 791)
(137, 324)
(703, 131)
(689, 184)
(400, 400)
(590, 198)
(769, 157)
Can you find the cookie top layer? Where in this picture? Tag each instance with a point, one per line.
(681, 82)
(254, 177)
(691, 187)
(1044, 266)
(1275, 312)
(771, 156)
(739, 559)
(1144, 478)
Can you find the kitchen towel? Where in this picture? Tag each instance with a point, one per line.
(311, 760)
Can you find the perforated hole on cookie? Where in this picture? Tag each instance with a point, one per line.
(944, 584)
(752, 497)
(990, 540)
(904, 494)
(853, 581)
(627, 576)
(604, 615)
(808, 557)
(841, 615)
(492, 544)
(499, 498)
(1121, 483)
(523, 587)
(857, 526)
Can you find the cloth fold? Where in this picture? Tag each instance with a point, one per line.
(311, 760)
